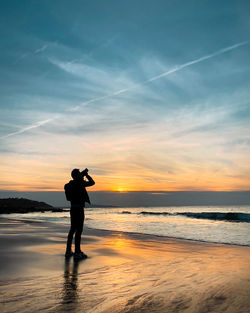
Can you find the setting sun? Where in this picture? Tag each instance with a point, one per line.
(120, 189)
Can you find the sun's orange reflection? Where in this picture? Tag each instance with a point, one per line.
(120, 242)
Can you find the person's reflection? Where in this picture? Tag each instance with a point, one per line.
(70, 295)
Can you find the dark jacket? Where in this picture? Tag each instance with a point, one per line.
(79, 192)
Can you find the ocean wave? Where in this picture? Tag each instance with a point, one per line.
(229, 216)
(221, 216)
(156, 213)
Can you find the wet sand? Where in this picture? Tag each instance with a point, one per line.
(124, 273)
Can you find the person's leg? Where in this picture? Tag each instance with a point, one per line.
(78, 233)
(73, 226)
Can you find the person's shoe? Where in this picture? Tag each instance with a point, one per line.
(80, 255)
(68, 254)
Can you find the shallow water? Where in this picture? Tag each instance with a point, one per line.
(211, 224)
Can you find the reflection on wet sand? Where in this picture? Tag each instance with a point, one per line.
(70, 285)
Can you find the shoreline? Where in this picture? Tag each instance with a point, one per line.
(110, 231)
(156, 237)
(125, 272)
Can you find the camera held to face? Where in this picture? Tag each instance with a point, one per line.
(84, 172)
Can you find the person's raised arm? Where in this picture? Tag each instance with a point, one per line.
(90, 181)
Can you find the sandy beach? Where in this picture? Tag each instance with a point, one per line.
(124, 272)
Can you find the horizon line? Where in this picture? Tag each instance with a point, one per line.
(129, 191)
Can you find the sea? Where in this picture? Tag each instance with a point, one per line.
(217, 224)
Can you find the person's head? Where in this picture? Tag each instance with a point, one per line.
(75, 174)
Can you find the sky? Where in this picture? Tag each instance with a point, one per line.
(148, 95)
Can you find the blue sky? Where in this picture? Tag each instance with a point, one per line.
(83, 84)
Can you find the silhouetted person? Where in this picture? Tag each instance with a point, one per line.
(76, 193)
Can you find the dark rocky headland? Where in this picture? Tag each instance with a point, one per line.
(21, 205)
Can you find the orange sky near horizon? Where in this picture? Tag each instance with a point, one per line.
(24, 175)
(134, 163)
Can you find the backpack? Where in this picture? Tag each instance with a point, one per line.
(68, 188)
(75, 192)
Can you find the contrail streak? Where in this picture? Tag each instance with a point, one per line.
(180, 67)
(164, 74)
(206, 57)
(173, 70)
(36, 125)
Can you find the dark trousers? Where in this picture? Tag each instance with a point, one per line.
(77, 220)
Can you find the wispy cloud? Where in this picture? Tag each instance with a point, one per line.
(80, 71)
(72, 68)
(180, 67)
(39, 50)
(29, 53)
